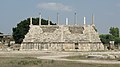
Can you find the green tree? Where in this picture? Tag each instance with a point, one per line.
(23, 27)
(117, 40)
(105, 38)
(113, 36)
(114, 31)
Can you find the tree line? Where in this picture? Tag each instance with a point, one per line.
(22, 28)
(112, 36)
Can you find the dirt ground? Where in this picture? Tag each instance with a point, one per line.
(47, 59)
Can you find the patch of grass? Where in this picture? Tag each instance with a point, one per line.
(77, 57)
(29, 58)
(31, 62)
(50, 61)
(84, 57)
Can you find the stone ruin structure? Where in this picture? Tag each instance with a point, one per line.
(62, 37)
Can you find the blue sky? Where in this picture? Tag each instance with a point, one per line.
(106, 12)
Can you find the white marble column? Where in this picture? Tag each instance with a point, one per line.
(49, 20)
(92, 19)
(57, 18)
(30, 20)
(66, 21)
(84, 20)
(75, 19)
(40, 18)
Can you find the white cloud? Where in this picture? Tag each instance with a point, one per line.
(54, 6)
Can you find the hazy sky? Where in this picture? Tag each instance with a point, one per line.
(106, 12)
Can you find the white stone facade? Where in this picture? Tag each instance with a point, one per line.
(62, 38)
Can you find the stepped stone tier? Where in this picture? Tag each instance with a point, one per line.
(62, 38)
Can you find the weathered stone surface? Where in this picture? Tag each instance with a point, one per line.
(62, 37)
(111, 57)
(97, 57)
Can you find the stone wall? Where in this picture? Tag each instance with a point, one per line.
(58, 34)
(62, 37)
(61, 46)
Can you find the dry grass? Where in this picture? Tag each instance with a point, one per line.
(84, 57)
(33, 62)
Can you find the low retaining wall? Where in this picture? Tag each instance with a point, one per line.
(62, 46)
